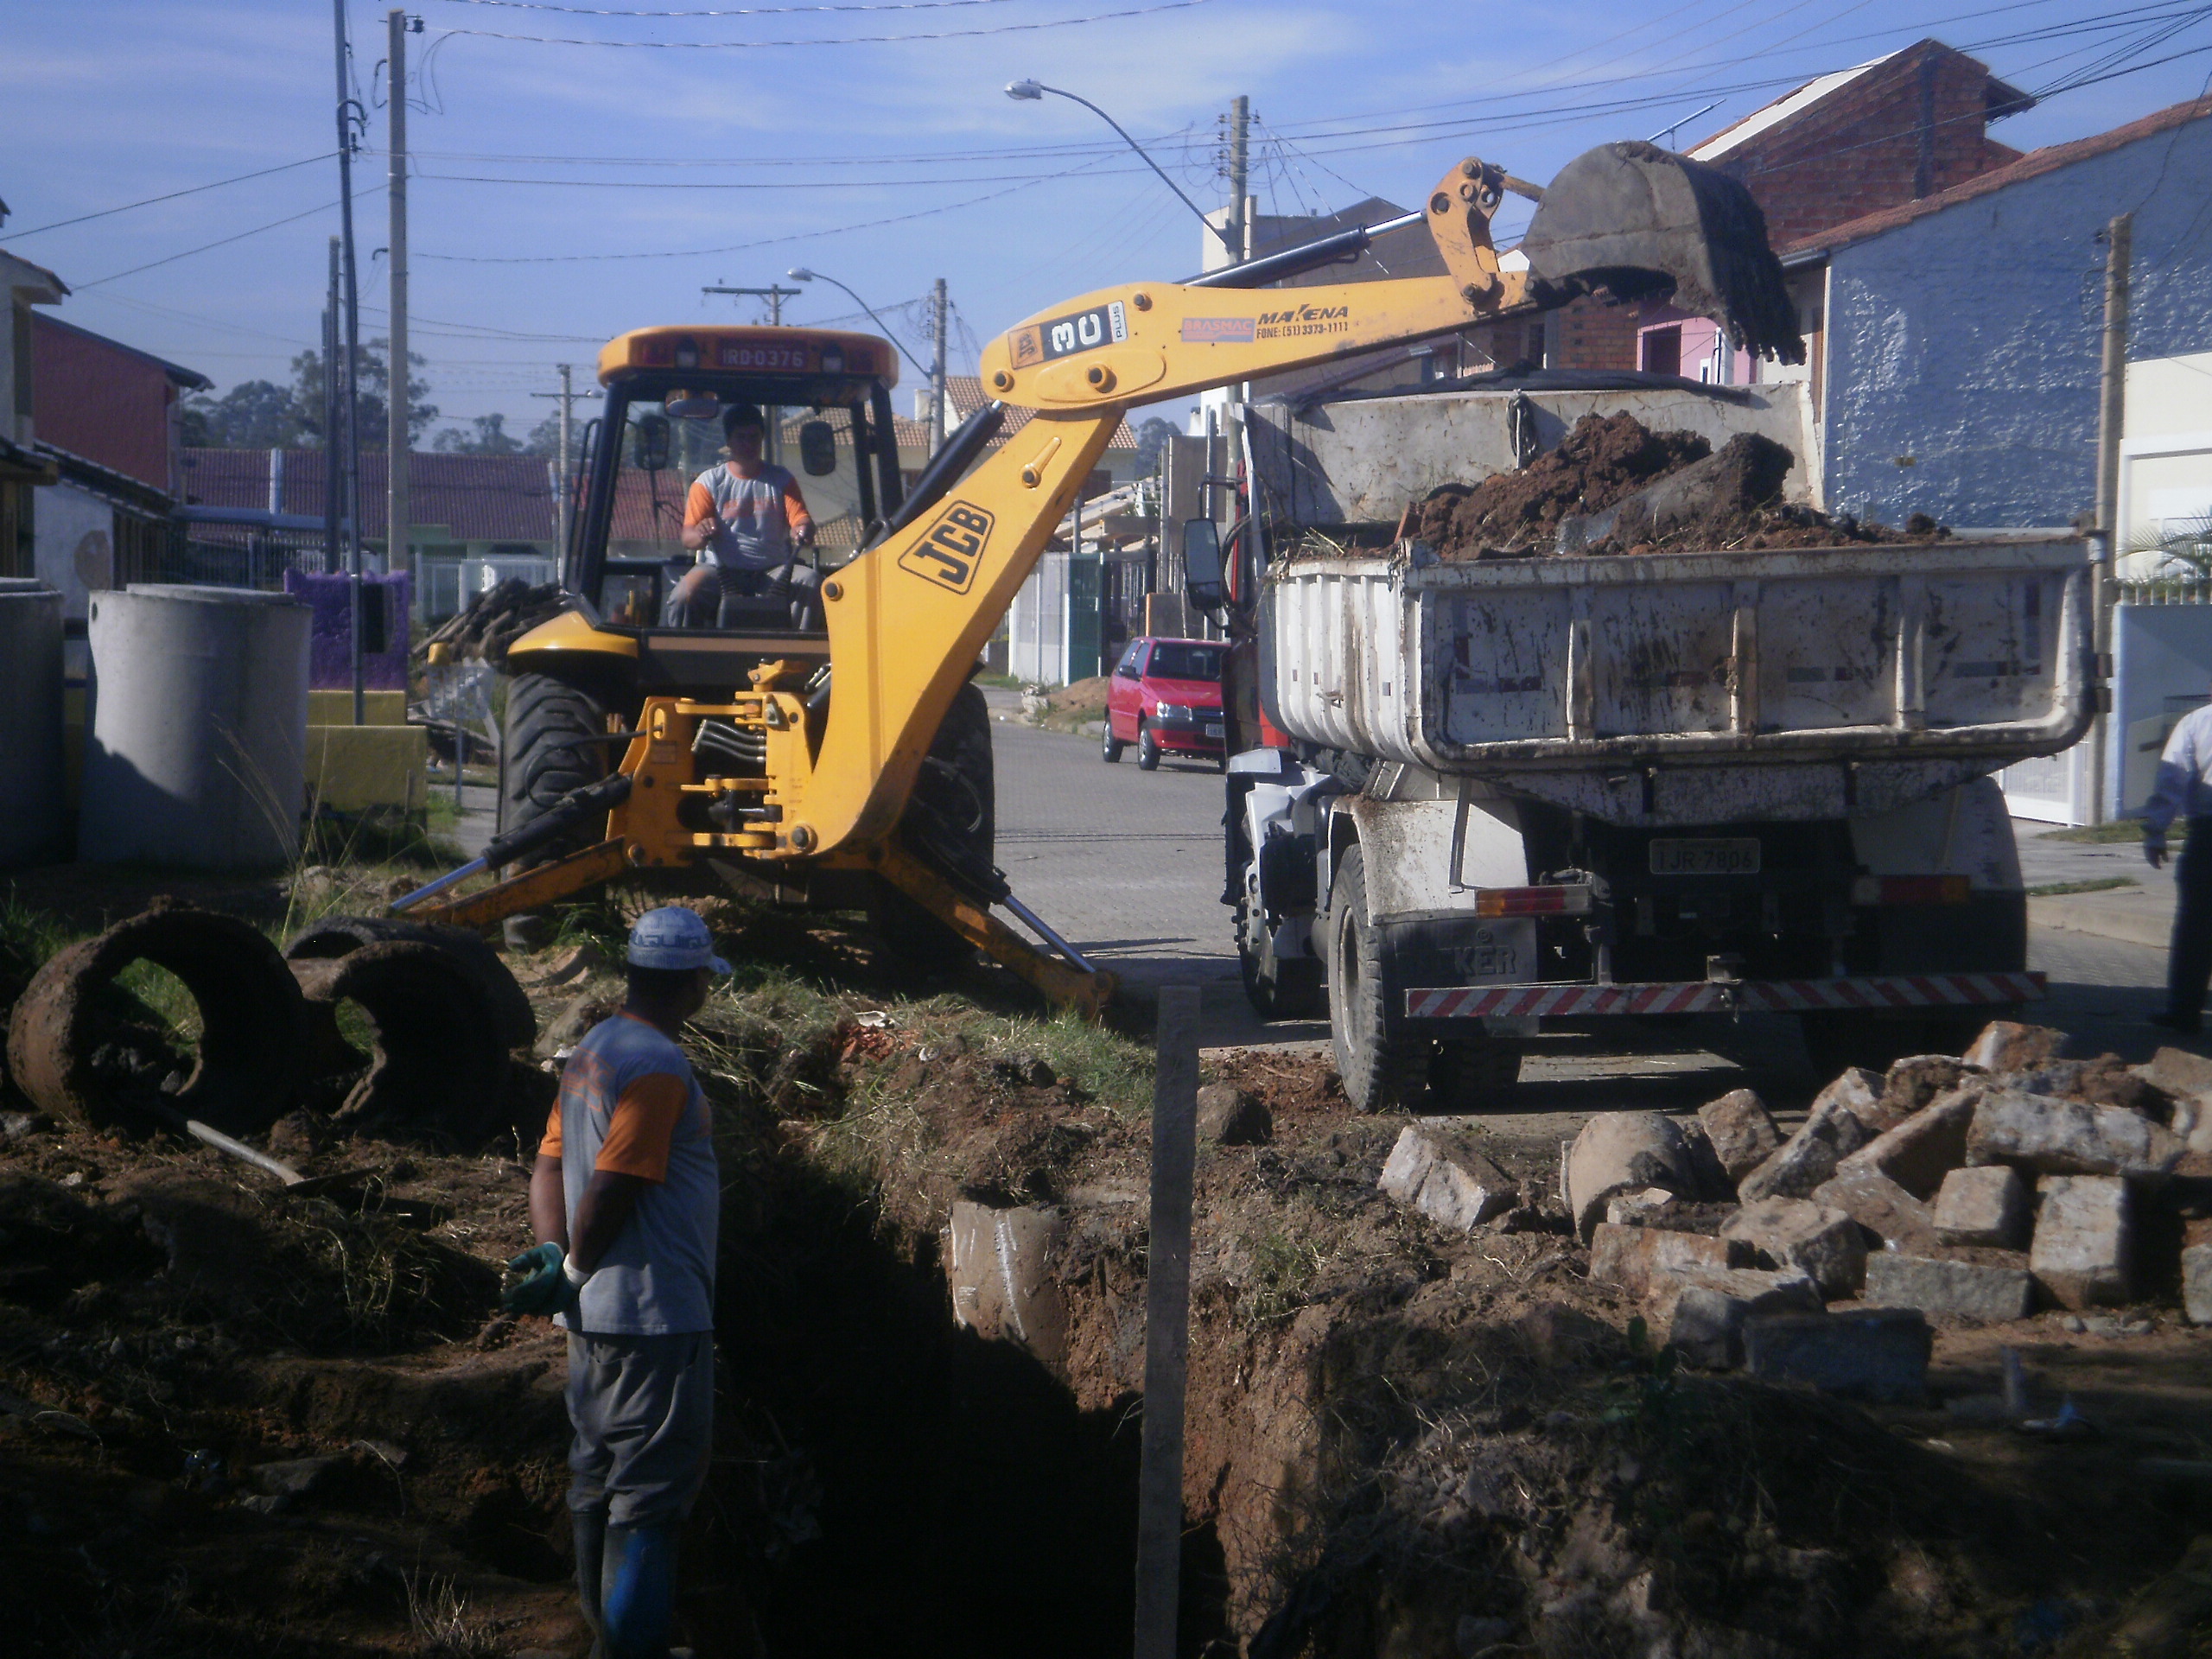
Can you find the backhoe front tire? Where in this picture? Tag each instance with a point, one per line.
(950, 822)
(1380, 1073)
(543, 755)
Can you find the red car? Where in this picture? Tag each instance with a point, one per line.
(1164, 697)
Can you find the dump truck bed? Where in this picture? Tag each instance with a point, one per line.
(1691, 687)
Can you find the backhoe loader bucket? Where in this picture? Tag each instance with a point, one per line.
(1640, 223)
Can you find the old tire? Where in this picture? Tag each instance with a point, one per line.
(1109, 746)
(951, 823)
(1147, 749)
(544, 753)
(1380, 1072)
(1278, 989)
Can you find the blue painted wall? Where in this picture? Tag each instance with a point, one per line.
(1970, 339)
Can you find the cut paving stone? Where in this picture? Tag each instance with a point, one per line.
(1229, 1117)
(1868, 1353)
(1984, 1205)
(2040, 1135)
(1944, 1289)
(1917, 1081)
(1713, 1180)
(1742, 1132)
(1832, 1131)
(2192, 1124)
(2177, 1072)
(1621, 1152)
(294, 1478)
(2196, 1283)
(1649, 1208)
(1446, 1179)
(1925, 1147)
(1857, 1090)
(1824, 1244)
(1897, 1220)
(1635, 1258)
(1702, 1312)
(2084, 1242)
(2005, 1045)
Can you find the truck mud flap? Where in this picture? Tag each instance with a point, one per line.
(1868, 994)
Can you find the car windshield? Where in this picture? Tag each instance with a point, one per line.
(1181, 662)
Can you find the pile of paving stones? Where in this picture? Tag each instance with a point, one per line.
(1972, 1188)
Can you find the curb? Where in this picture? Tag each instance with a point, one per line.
(2083, 914)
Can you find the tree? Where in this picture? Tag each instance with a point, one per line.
(491, 439)
(1151, 438)
(252, 415)
(371, 398)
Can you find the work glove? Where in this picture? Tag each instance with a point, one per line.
(534, 1281)
(2154, 852)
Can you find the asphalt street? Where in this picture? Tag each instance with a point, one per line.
(1127, 866)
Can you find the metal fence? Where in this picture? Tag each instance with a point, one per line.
(219, 557)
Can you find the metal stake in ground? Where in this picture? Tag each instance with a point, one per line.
(1166, 1328)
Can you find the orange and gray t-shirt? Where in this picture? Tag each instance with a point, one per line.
(629, 1104)
(760, 515)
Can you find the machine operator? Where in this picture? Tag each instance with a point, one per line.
(749, 519)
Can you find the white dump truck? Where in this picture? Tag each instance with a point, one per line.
(1515, 794)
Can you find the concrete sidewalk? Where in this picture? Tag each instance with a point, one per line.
(2139, 914)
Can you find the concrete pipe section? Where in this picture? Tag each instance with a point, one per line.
(437, 1065)
(86, 1052)
(494, 987)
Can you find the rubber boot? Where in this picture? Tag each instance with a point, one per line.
(637, 1591)
(591, 1548)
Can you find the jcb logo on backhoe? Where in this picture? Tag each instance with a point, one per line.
(949, 554)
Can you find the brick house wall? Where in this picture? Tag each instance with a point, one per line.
(106, 402)
(1912, 125)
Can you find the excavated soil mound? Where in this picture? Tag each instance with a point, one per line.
(1613, 485)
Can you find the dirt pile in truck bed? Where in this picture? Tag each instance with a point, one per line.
(1613, 485)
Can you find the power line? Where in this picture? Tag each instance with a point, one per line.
(172, 258)
(780, 184)
(732, 11)
(41, 229)
(844, 40)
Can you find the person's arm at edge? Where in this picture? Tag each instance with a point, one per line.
(700, 519)
(2178, 769)
(549, 1208)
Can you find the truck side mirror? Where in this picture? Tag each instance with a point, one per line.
(818, 448)
(1202, 563)
(649, 443)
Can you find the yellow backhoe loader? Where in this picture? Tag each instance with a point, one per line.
(823, 745)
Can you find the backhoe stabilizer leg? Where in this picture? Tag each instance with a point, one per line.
(1061, 982)
(564, 878)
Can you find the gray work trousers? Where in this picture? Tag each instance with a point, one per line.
(643, 1410)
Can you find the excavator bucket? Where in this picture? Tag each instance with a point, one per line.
(1639, 222)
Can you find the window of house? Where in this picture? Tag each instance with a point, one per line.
(1662, 351)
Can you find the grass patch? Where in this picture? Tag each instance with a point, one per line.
(2120, 830)
(2100, 884)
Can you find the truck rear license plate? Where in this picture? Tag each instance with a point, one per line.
(1699, 856)
(1213, 729)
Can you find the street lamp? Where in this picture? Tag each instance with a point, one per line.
(801, 274)
(1024, 91)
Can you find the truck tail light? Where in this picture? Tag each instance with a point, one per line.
(1911, 890)
(1569, 900)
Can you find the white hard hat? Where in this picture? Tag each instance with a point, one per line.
(673, 936)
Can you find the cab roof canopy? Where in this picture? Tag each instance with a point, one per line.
(784, 366)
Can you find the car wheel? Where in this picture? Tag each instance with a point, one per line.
(1379, 1071)
(1147, 749)
(1109, 746)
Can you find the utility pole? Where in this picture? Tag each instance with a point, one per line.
(1240, 144)
(398, 435)
(565, 498)
(333, 555)
(349, 410)
(774, 295)
(2111, 408)
(937, 366)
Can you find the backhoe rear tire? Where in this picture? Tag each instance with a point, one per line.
(541, 757)
(950, 822)
(1380, 1072)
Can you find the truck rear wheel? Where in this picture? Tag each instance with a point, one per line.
(951, 822)
(1379, 1071)
(1278, 989)
(545, 752)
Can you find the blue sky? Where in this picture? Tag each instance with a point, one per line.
(632, 151)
